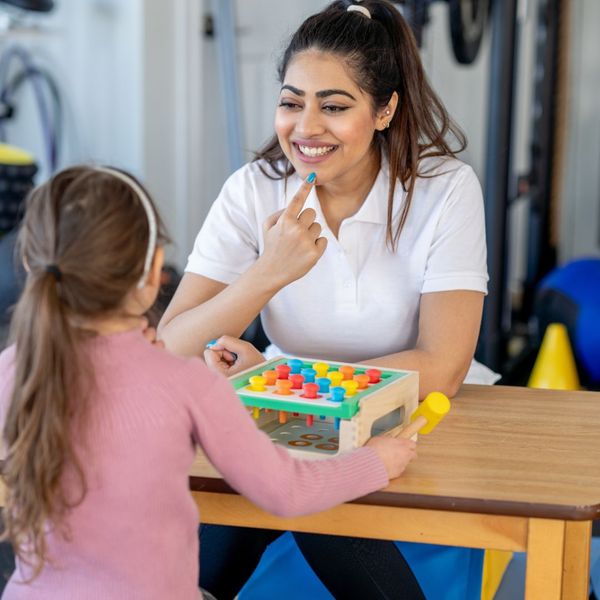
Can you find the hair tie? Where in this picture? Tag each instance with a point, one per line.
(360, 9)
(54, 270)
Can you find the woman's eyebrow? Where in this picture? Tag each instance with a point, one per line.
(319, 94)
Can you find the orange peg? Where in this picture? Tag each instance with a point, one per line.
(363, 380)
(347, 371)
(284, 387)
(270, 376)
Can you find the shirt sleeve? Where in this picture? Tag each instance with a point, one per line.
(457, 256)
(265, 472)
(227, 243)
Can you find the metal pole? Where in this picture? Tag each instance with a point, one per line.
(491, 349)
(224, 15)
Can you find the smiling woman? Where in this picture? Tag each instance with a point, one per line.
(358, 236)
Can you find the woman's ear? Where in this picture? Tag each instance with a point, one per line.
(386, 114)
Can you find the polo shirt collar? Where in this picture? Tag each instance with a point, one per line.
(374, 208)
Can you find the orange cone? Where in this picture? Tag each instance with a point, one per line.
(554, 367)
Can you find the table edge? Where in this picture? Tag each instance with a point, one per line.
(445, 503)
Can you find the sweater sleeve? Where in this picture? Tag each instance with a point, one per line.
(266, 473)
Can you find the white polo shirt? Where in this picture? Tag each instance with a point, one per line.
(361, 300)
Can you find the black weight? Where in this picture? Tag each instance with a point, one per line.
(35, 5)
(468, 19)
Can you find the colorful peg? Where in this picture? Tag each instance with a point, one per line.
(256, 412)
(347, 371)
(295, 365)
(338, 393)
(284, 387)
(283, 371)
(321, 369)
(270, 376)
(257, 383)
(350, 386)
(310, 391)
(309, 374)
(282, 417)
(324, 383)
(363, 381)
(310, 420)
(374, 375)
(297, 381)
(335, 377)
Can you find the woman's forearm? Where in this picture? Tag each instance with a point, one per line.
(435, 374)
(228, 312)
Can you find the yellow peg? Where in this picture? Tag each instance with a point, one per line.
(321, 369)
(335, 377)
(350, 386)
(257, 383)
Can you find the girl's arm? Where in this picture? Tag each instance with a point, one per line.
(203, 309)
(448, 330)
(267, 474)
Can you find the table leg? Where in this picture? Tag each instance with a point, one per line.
(576, 561)
(545, 548)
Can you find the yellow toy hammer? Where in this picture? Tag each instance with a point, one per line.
(430, 412)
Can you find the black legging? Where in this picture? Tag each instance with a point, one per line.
(348, 567)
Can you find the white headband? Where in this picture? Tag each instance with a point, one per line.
(360, 9)
(145, 202)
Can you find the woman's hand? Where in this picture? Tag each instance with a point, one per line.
(292, 240)
(395, 453)
(230, 355)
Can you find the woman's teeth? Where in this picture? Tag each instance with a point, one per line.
(315, 151)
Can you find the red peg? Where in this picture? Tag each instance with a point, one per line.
(282, 371)
(297, 381)
(374, 375)
(310, 391)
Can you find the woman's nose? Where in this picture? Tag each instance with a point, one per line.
(309, 123)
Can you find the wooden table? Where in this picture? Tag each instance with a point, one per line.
(509, 468)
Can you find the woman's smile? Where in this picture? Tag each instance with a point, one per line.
(311, 152)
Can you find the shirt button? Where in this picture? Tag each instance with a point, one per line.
(347, 284)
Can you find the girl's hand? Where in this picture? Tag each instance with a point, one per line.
(230, 355)
(150, 333)
(395, 453)
(292, 240)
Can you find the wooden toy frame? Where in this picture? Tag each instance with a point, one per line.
(379, 408)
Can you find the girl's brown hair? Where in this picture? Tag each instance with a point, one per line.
(383, 56)
(83, 241)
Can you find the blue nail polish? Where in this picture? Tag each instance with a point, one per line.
(211, 343)
(311, 177)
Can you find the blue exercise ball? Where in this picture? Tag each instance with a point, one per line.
(571, 295)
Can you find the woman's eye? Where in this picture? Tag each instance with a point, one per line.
(335, 109)
(288, 104)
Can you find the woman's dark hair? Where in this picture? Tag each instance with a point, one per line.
(83, 240)
(383, 57)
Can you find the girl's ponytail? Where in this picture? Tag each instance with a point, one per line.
(48, 372)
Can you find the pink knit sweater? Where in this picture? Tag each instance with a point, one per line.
(135, 533)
